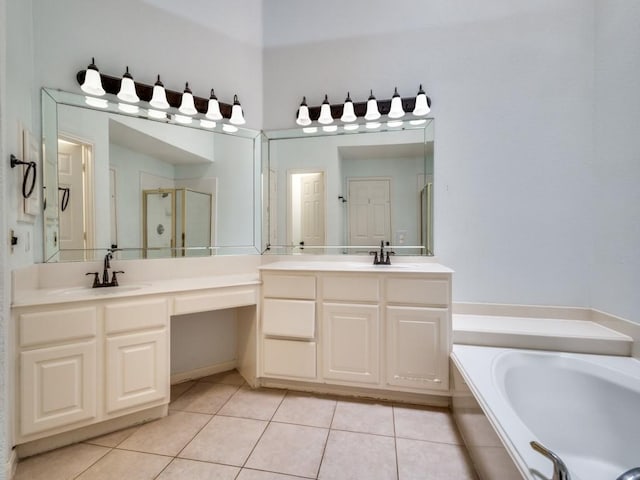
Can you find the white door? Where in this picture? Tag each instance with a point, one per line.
(307, 208)
(350, 335)
(417, 349)
(71, 195)
(369, 211)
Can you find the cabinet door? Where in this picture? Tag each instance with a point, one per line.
(137, 369)
(350, 338)
(418, 347)
(57, 386)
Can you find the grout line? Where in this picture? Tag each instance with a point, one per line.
(326, 442)
(395, 440)
(83, 471)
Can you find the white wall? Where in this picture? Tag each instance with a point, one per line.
(615, 221)
(512, 90)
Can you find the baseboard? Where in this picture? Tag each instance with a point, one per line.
(203, 372)
(11, 465)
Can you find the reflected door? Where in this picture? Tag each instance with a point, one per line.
(369, 211)
(307, 209)
(71, 195)
(159, 221)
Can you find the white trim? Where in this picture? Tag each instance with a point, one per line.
(532, 311)
(203, 372)
(11, 465)
(621, 325)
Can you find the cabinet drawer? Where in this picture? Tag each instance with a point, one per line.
(289, 286)
(203, 302)
(350, 288)
(289, 318)
(418, 291)
(56, 326)
(135, 315)
(289, 358)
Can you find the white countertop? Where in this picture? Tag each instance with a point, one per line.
(357, 267)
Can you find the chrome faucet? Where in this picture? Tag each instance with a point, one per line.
(105, 274)
(560, 470)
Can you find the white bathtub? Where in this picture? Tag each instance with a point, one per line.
(585, 408)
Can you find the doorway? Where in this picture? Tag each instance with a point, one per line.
(306, 208)
(369, 211)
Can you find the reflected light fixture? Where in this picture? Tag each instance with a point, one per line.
(186, 119)
(229, 128)
(372, 125)
(92, 83)
(207, 123)
(396, 110)
(348, 115)
(187, 106)
(420, 121)
(302, 118)
(96, 102)
(128, 108)
(372, 108)
(213, 108)
(330, 128)
(127, 91)
(422, 104)
(325, 112)
(351, 126)
(157, 114)
(159, 96)
(310, 129)
(237, 117)
(394, 123)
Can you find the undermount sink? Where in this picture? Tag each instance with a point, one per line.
(96, 291)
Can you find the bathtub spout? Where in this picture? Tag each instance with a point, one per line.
(633, 474)
(560, 470)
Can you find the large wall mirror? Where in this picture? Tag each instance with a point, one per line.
(147, 188)
(347, 191)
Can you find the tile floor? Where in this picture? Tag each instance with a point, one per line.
(219, 429)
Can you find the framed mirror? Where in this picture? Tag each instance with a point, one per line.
(148, 188)
(348, 191)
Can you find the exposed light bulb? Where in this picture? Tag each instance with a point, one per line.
(422, 104)
(187, 106)
(348, 115)
(372, 109)
(159, 96)
(92, 83)
(127, 91)
(396, 110)
(237, 117)
(325, 112)
(213, 108)
(303, 118)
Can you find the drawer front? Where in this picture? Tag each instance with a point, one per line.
(289, 286)
(289, 358)
(350, 288)
(418, 291)
(135, 315)
(289, 318)
(204, 302)
(56, 326)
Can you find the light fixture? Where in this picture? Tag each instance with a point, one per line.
(159, 96)
(348, 115)
(187, 106)
(128, 108)
(303, 114)
(351, 126)
(422, 104)
(310, 129)
(372, 125)
(213, 108)
(127, 91)
(325, 112)
(96, 102)
(372, 109)
(420, 121)
(330, 128)
(237, 117)
(157, 114)
(394, 123)
(229, 128)
(92, 83)
(185, 119)
(396, 110)
(207, 123)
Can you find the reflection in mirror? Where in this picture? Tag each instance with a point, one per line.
(108, 170)
(348, 192)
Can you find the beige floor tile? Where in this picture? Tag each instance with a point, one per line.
(61, 464)
(231, 377)
(358, 456)
(113, 439)
(422, 423)
(120, 464)
(225, 440)
(248, 474)
(168, 435)
(180, 469)
(179, 388)
(260, 404)
(204, 398)
(363, 417)
(435, 461)
(304, 409)
(290, 449)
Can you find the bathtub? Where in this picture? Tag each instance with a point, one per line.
(585, 408)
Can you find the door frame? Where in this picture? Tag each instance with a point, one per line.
(297, 171)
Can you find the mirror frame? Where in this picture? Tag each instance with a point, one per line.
(50, 99)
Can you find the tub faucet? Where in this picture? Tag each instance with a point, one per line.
(560, 470)
(633, 474)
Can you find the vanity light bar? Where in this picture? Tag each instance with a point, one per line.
(112, 85)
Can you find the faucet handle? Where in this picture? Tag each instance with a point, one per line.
(114, 279)
(375, 258)
(96, 279)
